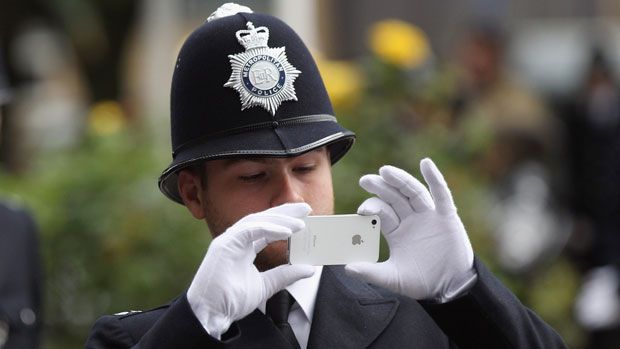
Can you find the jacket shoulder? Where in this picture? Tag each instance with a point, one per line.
(123, 330)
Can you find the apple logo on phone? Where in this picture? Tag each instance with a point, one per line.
(357, 239)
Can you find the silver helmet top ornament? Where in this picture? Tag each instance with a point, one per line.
(262, 75)
(228, 9)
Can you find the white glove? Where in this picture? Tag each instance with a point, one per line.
(430, 254)
(227, 286)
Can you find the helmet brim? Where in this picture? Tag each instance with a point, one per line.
(281, 141)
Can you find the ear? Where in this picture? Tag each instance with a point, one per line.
(190, 188)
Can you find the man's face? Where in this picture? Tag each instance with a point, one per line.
(235, 188)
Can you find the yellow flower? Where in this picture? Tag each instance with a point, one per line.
(106, 117)
(399, 43)
(343, 81)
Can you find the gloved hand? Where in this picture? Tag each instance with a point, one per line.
(430, 254)
(227, 286)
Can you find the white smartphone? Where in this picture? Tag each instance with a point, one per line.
(336, 239)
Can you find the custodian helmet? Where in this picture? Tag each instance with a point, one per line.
(245, 85)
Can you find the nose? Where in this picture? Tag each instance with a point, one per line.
(286, 190)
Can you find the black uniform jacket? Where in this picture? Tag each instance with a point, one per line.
(20, 277)
(349, 314)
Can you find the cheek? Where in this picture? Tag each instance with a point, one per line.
(320, 195)
(223, 209)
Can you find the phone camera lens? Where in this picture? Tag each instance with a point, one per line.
(374, 222)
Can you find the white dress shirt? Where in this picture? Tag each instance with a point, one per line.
(300, 317)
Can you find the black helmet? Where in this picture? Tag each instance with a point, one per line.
(245, 85)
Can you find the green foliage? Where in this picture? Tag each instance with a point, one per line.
(110, 241)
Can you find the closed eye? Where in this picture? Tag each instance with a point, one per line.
(252, 177)
(305, 168)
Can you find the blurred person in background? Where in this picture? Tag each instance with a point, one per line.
(20, 269)
(517, 143)
(20, 279)
(252, 157)
(594, 125)
(20, 294)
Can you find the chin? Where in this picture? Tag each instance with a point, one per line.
(275, 254)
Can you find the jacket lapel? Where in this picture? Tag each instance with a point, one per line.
(348, 313)
(258, 331)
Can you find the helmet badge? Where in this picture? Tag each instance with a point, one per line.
(262, 75)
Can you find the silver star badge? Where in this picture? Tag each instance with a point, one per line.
(262, 75)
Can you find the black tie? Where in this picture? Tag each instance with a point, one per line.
(278, 307)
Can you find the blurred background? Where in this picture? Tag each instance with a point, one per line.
(518, 103)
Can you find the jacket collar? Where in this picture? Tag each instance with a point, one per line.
(348, 312)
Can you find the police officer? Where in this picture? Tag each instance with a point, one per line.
(19, 279)
(19, 265)
(254, 137)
